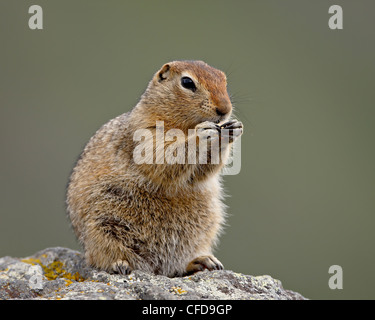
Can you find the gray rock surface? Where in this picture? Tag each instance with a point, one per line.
(61, 273)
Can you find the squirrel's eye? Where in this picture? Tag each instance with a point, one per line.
(187, 83)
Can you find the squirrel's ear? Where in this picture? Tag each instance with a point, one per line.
(164, 72)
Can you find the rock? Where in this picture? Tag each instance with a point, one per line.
(61, 273)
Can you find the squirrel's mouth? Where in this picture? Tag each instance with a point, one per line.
(222, 118)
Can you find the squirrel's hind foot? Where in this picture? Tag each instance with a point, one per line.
(203, 262)
(121, 267)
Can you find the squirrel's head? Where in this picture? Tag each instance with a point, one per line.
(185, 93)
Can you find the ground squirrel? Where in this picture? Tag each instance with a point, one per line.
(158, 217)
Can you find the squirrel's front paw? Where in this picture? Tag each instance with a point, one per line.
(208, 130)
(121, 267)
(231, 130)
(204, 262)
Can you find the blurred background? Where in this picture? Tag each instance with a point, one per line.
(305, 197)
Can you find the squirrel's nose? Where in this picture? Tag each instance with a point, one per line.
(219, 112)
(224, 108)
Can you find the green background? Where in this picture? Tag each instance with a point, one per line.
(305, 197)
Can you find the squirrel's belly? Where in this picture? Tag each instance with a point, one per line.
(168, 233)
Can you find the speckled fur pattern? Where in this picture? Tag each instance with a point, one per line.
(159, 218)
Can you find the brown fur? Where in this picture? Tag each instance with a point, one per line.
(161, 218)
